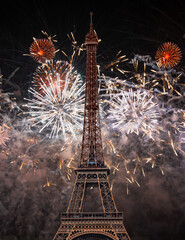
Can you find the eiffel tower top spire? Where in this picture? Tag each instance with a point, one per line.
(91, 37)
(91, 23)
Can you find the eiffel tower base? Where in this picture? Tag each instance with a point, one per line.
(81, 225)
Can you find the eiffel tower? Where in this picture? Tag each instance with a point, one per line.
(77, 223)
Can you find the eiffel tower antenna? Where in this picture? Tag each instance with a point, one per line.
(77, 223)
(91, 23)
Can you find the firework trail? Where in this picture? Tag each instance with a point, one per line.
(59, 108)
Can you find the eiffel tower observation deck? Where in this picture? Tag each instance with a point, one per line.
(84, 218)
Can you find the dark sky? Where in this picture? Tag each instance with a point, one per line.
(154, 211)
(130, 26)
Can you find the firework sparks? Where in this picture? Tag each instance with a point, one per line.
(134, 111)
(116, 62)
(176, 132)
(130, 169)
(59, 108)
(142, 78)
(4, 134)
(27, 161)
(166, 81)
(168, 55)
(148, 75)
(176, 140)
(48, 183)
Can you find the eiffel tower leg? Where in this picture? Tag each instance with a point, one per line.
(62, 236)
(122, 236)
(106, 196)
(77, 196)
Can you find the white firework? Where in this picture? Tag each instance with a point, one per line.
(134, 111)
(58, 105)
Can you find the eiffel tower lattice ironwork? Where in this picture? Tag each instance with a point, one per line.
(77, 223)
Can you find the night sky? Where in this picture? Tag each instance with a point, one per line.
(134, 27)
(156, 210)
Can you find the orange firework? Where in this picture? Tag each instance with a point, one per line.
(168, 55)
(42, 50)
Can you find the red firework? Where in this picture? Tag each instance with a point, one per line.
(42, 50)
(168, 55)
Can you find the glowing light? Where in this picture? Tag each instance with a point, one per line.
(41, 52)
(168, 55)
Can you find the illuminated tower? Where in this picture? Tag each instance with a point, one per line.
(77, 223)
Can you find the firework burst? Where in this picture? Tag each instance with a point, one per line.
(168, 55)
(53, 70)
(59, 108)
(134, 111)
(42, 50)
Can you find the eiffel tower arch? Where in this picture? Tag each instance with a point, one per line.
(78, 223)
